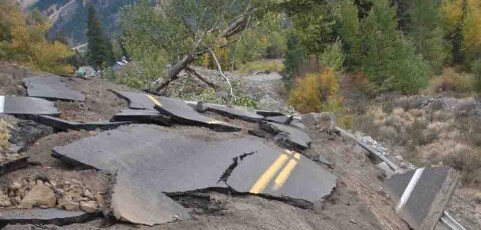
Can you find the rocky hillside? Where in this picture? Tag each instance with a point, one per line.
(69, 16)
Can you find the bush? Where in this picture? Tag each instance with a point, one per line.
(450, 81)
(314, 91)
(263, 65)
(477, 75)
(469, 163)
(4, 135)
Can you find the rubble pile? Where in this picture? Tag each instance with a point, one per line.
(38, 192)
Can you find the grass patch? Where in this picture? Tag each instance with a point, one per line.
(262, 65)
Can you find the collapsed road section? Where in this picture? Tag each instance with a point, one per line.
(147, 158)
(51, 87)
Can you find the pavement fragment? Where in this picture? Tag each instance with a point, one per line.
(16, 105)
(421, 195)
(182, 113)
(287, 135)
(142, 116)
(137, 101)
(44, 216)
(65, 125)
(280, 119)
(51, 87)
(147, 158)
(269, 113)
(234, 112)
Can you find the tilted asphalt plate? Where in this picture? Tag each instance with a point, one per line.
(279, 119)
(234, 112)
(27, 105)
(65, 125)
(182, 113)
(152, 162)
(51, 87)
(138, 100)
(288, 135)
(142, 116)
(421, 195)
(269, 113)
(44, 216)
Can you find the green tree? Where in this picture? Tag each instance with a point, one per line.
(425, 29)
(295, 57)
(349, 31)
(390, 62)
(100, 51)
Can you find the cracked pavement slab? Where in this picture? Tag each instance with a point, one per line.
(65, 125)
(421, 195)
(17, 105)
(182, 113)
(142, 116)
(51, 87)
(44, 216)
(288, 135)
(234, 112)
(176, 162)
(138, 101)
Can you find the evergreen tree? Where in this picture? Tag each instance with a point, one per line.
(390, 62)
(427, 33)
(349, 32)
(100, 51)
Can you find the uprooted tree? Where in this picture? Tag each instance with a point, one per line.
(186, 30)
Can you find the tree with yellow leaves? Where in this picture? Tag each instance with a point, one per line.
(26, 41)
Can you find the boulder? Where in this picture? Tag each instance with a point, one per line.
(40, 195)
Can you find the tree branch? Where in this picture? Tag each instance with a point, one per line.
(232, 96)
(192, 71)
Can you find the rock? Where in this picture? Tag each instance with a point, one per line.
(100, 199)
(88, 194)
(14, 186)
(40, 195)
(88, 206)
(68, 205)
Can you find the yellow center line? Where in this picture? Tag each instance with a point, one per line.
(286, 172)
(153, 99)
(265, 178)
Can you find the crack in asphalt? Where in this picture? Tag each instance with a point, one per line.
(236, 160)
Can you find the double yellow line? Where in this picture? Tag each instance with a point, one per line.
(153, 99)
(281, 178)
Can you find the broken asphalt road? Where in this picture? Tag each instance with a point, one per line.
(176, 109)
(289, 136)
(51, 87)
(234, 112)
(149, 158)
(182, 113)
(142, 116)
(44, 216)
(421, 195)
(27, 105)
(64, 125)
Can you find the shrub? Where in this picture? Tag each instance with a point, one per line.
(333, 56)
(450, 81)
(4, 135)
(263, 65)
(477, 75)
(468, 162)
(312, 91)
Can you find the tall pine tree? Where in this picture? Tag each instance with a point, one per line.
(100, 51)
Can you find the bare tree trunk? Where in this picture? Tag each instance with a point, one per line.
(232, 96)
(174, 71)
(190, 70)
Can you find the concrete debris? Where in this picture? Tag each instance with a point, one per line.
(51, 87)
(16, 105)
(148, 158)
(287, 135)
(421, 195)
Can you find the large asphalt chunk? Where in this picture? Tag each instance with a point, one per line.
(289, 136)
(421, 195)
(151, 161)
(142, 116)
(44, 216)
(51, 87)
(27, 105)
(138, 100)
(234, 112)
(132, 202)
(182, 113)
(64, 125)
